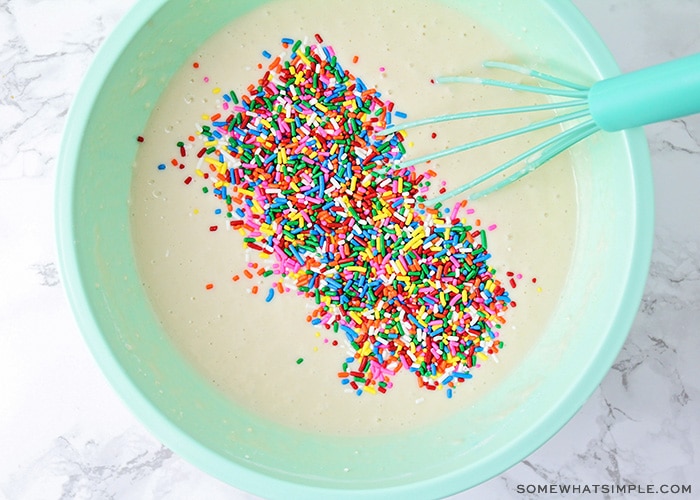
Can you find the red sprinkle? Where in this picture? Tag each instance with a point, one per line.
(140, 138)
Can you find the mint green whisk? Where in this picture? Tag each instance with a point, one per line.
(662, 92)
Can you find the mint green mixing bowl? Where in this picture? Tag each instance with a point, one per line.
(614, 189)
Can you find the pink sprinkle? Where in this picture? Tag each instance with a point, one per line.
(470, 211)
(206, 79)
(382, 69)
(492, 227)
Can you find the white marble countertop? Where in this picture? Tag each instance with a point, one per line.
(65, 434)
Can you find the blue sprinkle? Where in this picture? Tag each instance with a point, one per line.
(161, 167)
(270, 295)
(400, 114)
(289, 41)
(349, 333)
(266, 54)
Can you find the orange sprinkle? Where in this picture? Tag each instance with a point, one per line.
(254, 289)
(236, 277)
(248, 274)
(209, 286)
(355, 59)
(477, 222)
(280, 287)
(261, 271)
(276, 61)
(174, 162)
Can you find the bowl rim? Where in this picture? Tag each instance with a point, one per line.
(247, 479)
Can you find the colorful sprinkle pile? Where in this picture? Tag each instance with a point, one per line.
(304, 178)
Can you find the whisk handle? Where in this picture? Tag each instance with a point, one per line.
(662, 92)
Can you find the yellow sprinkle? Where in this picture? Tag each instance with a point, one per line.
(199, 172)
(359, 269)
(257, 209)
(215, 90)
(245, 191)
(212, 161)
(356, 317)
(195, 211)
(205, 117)
(294, 186)
(539, 288)
(353, 184)
(301, 55)
(315, 348)
(366, 348)
(370, 389)
(410, 144)
(417, 231)
(481, 355)
(401, 268)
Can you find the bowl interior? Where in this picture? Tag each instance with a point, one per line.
(183, 410)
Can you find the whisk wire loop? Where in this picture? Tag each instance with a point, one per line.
(535, 74)
(550, 148)
(506, 135)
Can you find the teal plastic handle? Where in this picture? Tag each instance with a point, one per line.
(663, 92)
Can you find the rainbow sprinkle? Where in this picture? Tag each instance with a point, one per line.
(313, 190)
